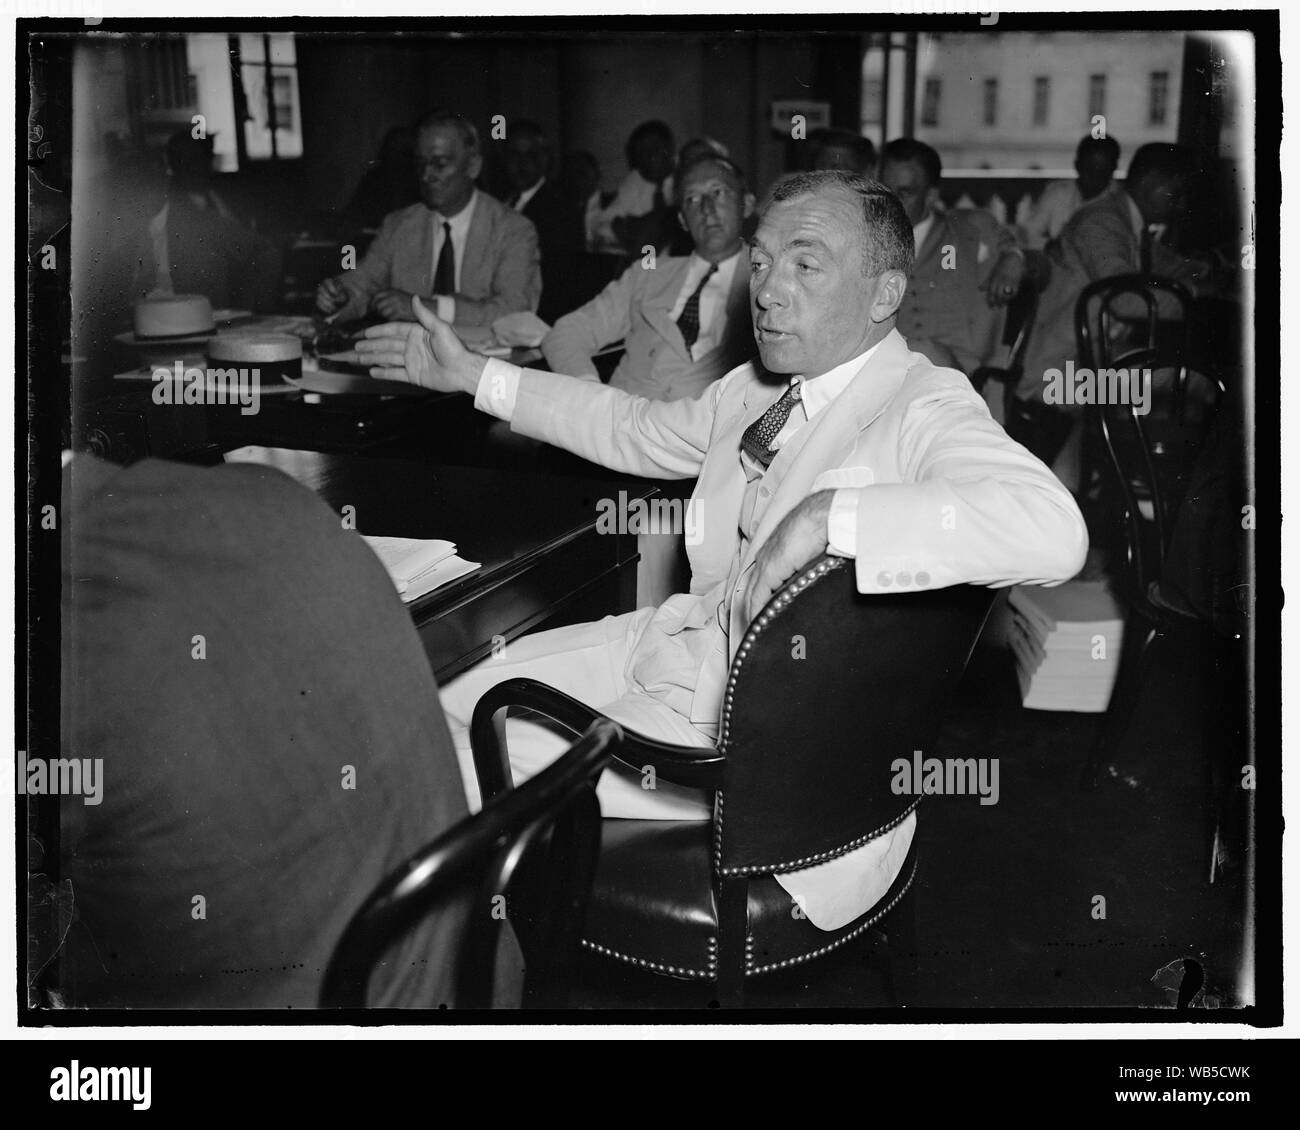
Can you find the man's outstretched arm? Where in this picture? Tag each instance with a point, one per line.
(657, 439)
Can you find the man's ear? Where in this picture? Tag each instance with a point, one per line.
(750, 203)
(889, 295)
(681, 219)
(475, 166)
(931, 197)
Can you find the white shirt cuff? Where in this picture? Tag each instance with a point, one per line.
(445, 307)
(841, 523)
(498, 388)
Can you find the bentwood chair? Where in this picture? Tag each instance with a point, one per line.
(827, 689)
(538, 842)
(1124, 323)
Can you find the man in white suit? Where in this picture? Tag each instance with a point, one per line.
(683, 319)
(840, 438)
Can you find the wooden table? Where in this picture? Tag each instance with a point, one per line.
(543, 562)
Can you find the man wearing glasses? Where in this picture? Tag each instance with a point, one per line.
(684, 320)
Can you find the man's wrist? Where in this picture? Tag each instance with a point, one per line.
(472, 372)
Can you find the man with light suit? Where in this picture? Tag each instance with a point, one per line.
(469, 256)
(684, 320)
(839, 438)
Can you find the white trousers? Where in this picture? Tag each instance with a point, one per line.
(589, 662)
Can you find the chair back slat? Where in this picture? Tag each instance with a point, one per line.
(828, 689)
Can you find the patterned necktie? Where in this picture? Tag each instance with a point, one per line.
(758, 437)
(688, 321)
(444, 276)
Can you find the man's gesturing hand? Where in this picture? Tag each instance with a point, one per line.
(798, 538)
(426, 353)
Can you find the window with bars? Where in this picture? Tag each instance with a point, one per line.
(1096, 95)
(1158, 104)
(933, 93)
(1042, 99)
(990, 101)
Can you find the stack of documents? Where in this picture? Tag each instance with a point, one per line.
(419, 566)
(1066, 641)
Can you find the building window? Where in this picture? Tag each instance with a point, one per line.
(990, 101)
(1042, 98)
(262, 59)
(269, 67)
(930, 97)
(1096, 95)
(1158, 108)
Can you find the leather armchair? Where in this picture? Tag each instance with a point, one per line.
(827, 689)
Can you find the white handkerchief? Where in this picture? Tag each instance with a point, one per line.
(833, 894)
(523, 329)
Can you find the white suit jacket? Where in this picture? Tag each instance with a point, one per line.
(943, 492)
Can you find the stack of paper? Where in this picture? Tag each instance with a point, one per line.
(1066, 642)
(419, 566)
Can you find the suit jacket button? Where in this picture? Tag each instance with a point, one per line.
(764, 491)
(884, 580)
(904, 578)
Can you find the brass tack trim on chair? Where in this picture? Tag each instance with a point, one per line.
(821, 856)
(774, 608)
(754, 971)
(658, 966)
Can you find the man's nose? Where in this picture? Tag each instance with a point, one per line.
(770, 292)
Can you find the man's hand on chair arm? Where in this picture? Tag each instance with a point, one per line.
(800, 537)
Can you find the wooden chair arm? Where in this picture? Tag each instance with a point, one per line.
(699, 768)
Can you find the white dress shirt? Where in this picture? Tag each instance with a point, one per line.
(635, 197)
(921, 230)
(446, 305)
(527, 195)
(713, 301)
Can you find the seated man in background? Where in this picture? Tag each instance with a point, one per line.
(1118, 233)
(967, 264)
(471, 256)
(838, 438)
(270, 736)
(647, 189)
(685, 322)
(1095, 162)
(559, 220)
(195, 245)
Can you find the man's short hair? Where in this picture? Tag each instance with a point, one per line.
(1162, 158)
(887, 240)
(734, 172)
(907, 150)
(862, 148)
(1089, 144)
(444, 119)
(655, 129)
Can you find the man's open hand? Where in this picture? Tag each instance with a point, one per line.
(426, 352)
(798, 538)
